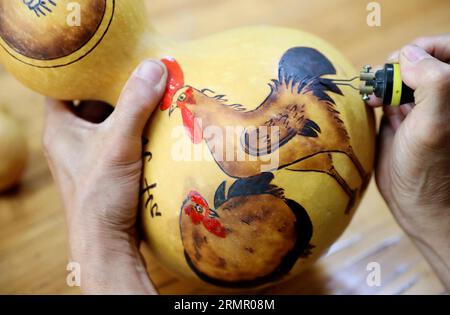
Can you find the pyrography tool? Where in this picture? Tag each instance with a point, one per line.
(386, 84)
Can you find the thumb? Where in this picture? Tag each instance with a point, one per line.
(139, 98)
(430, 79)
(421, 71)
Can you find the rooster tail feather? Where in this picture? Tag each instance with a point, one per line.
(303, 67)
(219, 196)
(310, 129)
(254, 185)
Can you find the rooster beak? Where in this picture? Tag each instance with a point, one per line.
(172, 108)
(213, 213)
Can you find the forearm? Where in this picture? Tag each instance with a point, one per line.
(110, 264)
(438, 259)
(431, 235)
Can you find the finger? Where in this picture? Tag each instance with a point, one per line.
(420, 69)
(393, 115)
(393, 57)
(430, 80)
(62, 130)
(374, 101)
(139, 98)
(405, 109)
(437, 46)
(385, 142)
(59, 115)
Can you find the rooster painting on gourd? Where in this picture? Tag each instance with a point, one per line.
(251, 233)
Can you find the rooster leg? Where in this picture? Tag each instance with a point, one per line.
(350, 192)
(361, 171)
(323, 163)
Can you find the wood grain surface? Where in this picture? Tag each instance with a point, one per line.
(33, 243)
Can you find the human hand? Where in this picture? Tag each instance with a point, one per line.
(413, 167)
(97, 168)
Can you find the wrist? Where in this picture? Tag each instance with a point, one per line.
(90, 237)
(429, 229)
(426, 223)
(110, 261)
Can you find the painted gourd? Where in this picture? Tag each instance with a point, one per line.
(255, 160)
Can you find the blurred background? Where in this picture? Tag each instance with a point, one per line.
(33, 244)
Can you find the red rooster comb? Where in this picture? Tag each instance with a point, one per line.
(175, 81)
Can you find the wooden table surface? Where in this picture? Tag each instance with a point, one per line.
(33, 247)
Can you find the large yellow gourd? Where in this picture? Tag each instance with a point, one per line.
(254, 162)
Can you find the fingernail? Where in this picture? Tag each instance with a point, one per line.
(414, 53)
(150, 71)
(393, 56)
